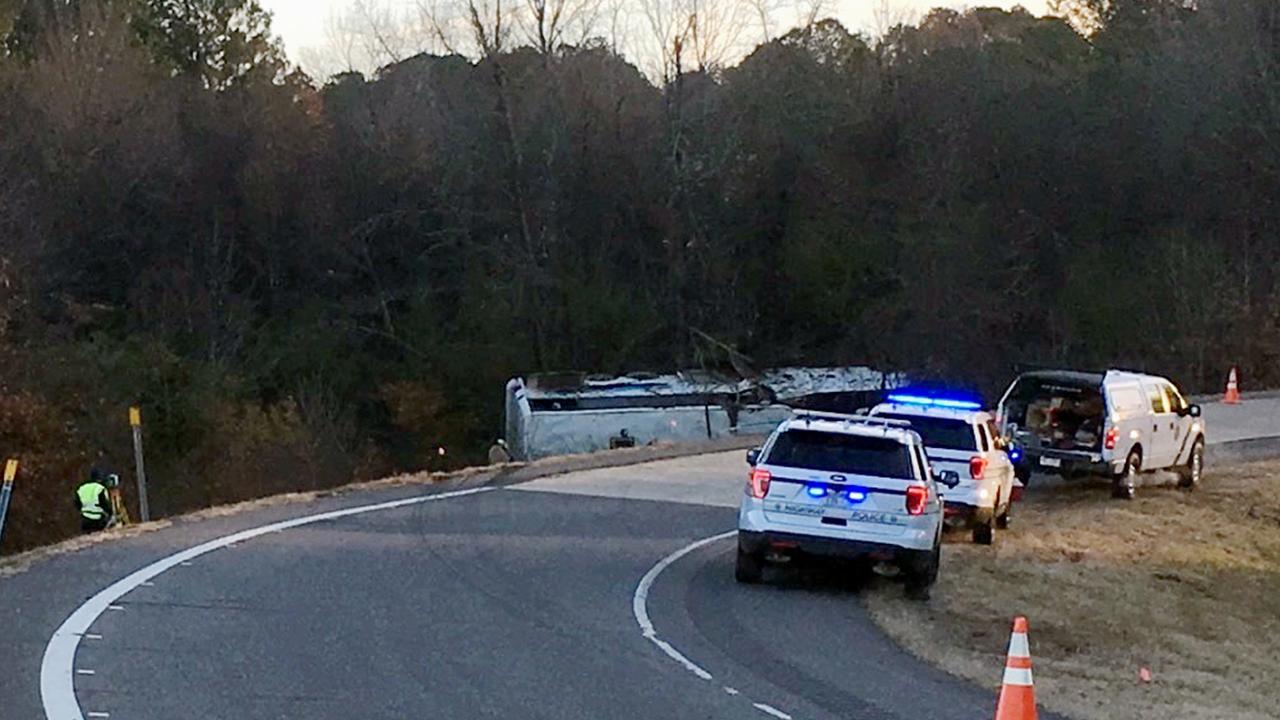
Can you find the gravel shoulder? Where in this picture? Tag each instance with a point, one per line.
(1185, 584)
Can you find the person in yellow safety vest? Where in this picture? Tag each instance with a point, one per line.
(94, 504)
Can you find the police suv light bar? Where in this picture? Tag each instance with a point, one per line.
(811, 415)
(948, 403)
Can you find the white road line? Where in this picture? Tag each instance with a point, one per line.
(99, 714)
(640, 603)
(115, 607)
(640, 608)
(85, 672)
(91, 636)
(57, 680)
(769, 709)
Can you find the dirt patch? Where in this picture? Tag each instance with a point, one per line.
(1186, 584)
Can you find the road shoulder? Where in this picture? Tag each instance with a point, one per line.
(1180, 583)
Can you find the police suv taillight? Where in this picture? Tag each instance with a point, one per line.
(758, 483)
(977, 467)
(917, 498)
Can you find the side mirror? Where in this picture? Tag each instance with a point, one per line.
(1193, 411)
(950, 478)
(753, 456)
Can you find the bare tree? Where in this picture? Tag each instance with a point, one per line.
(490, 25)
(379, 31)
(888, 14)
(548, 24)
(370, 34)
(705, 33)
(477, 28)
(338, 54)
(715, 31)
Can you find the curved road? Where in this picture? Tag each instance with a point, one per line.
(518, 601)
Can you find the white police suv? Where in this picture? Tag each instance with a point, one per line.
(960, 437)
(842, 486)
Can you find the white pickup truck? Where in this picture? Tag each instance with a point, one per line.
(1118, 424)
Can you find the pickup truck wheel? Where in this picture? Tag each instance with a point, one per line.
(1190, 475)
(748, 568)
(1124, 486)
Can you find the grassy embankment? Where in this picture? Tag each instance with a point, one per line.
(1186, 584)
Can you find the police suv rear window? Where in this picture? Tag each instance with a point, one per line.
(841, 453)
(940, 433)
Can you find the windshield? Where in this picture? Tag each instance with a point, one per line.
(840, 453)
(940, 433)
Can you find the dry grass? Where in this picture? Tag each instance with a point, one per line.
(1187, 584)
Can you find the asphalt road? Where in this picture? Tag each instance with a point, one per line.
(507, 603)
(1257, 417)
(514, 602)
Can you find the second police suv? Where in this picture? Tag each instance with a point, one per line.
(959, 436)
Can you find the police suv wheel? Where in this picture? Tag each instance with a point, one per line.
(748, 568)
(921, 572)
(1005, 519)
(1023, 473)
(985, 534)
(1190, 475)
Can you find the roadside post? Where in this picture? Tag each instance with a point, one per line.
(6, 490)
(135, 419)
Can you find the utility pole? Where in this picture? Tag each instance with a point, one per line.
(135, 419)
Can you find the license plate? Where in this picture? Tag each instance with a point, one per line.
(1051, 462)
(793, 509)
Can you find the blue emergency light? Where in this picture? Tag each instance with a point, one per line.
(820, 491)
(949, 403)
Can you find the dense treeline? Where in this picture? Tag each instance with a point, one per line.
(303, 284)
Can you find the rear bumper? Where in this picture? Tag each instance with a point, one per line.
(794, 544)
(920, 533)
(1067, 463)
(962, 514)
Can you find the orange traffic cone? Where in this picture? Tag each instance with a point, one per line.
(1017, 695)
(1233, 389)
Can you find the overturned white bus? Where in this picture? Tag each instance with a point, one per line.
(569, 413)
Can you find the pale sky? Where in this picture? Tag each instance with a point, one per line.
(302, 23)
